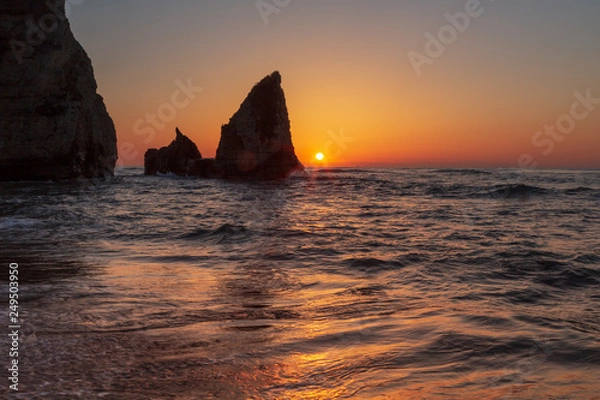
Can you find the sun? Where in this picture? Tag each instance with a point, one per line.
(320, 156)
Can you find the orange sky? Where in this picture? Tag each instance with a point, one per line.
(352, 89)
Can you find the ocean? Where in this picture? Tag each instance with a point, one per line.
(337, 284)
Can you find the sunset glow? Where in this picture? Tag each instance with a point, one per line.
(479, 100)
(341, 199)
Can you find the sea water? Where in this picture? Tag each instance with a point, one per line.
(341, 283)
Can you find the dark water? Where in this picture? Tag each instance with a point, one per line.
(374, 284)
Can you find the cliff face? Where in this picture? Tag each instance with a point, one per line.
(257, 141)
(53, 124)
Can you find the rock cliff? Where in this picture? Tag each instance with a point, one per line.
(255, 144)
(53, 124)
(257, 141)
(179, 157)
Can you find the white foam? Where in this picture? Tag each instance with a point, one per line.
(12, 223)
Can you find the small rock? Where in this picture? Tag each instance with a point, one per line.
(178, 158)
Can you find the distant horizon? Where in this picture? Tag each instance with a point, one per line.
(433, 167)
(454, 83)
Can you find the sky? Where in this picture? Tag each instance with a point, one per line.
(428, 83)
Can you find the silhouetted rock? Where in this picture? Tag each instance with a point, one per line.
(151, 162)
(206, 168)
(179, 157)
(53, 124)
(257, 142)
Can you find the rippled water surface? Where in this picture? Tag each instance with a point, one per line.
(374, 284)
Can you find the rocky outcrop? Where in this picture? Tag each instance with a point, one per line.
(257, 142)
(53, 124)
(206, 168)
(180, 157)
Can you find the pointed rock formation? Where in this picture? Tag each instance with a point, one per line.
(179, 157)
(53, 124)
(257, 142)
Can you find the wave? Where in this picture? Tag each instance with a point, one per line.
(341, 170)
(589, 258)
(572, 278)
(454, 190)
(166, 259)
(225, 231)
(498, 191)
(518, 190)
(529, 296)
(371, 264)
(374, 264)
(580, 190)
(12, 223)
(129, 171)
(459, 171)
